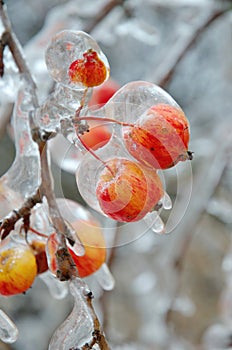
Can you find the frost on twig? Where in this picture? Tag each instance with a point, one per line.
(81, 329)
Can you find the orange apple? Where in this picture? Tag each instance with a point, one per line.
(17, 269)
(127, 190)
(91, 236)
(160, 137)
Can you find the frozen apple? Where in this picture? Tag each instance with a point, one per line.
(160, 137)
(102, 94)
(97, 136)
(91, 236)
(127, 190)
(89, 71)
(18, 269)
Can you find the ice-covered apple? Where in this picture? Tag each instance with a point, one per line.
(160, 137)
(89, 71)
(97, 136)
(91, 236)
(128, 190)
(102, 94)
(18, 269)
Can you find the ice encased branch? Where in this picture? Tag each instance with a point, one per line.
(77, 329)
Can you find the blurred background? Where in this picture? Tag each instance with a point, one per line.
(172, 291)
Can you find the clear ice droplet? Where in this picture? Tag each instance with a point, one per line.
(58, 290)
(154, 222)
(105, 278)
(8, 330)
(166, 201)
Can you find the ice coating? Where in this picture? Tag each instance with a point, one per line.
(76, 330)
(134, 98)
(23, 177)
(57, 289)
(8, 330)
(66, 47)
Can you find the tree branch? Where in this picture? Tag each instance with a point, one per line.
(102, 14)
(171, 67)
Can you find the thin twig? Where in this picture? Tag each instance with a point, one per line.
(165, 79)
(8, 224)
(98, 337)
(102, 14)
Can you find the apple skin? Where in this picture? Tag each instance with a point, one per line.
(90, 71)
(102, 94)
(160, 137)
(91, 236)
(97, 136)
(128, 190)
(18, 270)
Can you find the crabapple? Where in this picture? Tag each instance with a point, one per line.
(103, 93)
(160, 137)
(18, 269)
(128, 190)
(91, 236)
(97, 136)
(89, 71)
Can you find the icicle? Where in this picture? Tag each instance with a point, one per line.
(8, 330)
(166, 201)
(23, 177)
(77, 329)
(105, 278)
(57, 289)
(154, 221)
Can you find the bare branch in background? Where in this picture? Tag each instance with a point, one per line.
(174, 58)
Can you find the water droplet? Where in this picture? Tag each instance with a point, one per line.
(57, 289)
(154, 222)
(105, 278)
(8, 330)
(166, 201)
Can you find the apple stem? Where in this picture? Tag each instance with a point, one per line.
(38, 233)
(94, 154)
(95, 118)
(76, 120)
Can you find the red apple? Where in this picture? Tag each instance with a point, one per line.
(127, 190)
(91, 236)
(160, 137)
(89, 71)
(102, 94)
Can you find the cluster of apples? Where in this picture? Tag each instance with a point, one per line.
(21, 261)
(129, 188)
